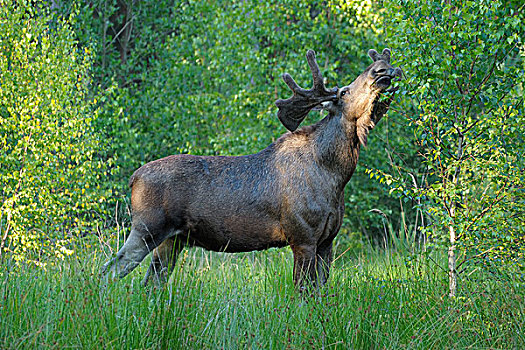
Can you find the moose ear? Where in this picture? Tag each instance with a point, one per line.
(374, 55)
(386, 55)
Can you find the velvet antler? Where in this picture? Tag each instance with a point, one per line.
(293, 110)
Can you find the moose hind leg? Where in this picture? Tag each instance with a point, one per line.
(163, 261)
(137, 246)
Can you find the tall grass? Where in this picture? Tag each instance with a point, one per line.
(375, 300)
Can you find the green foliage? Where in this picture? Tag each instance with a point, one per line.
(464, 103)
(50, 173)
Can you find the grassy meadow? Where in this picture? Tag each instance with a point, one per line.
(374, 299)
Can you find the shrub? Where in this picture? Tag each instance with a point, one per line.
(50, 171)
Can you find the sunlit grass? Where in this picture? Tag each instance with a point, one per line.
(377, 299)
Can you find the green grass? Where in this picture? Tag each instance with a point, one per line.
(378, 300)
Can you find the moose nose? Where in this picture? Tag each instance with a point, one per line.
(394, 72)
(397, 72)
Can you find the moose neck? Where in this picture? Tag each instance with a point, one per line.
(337, 146)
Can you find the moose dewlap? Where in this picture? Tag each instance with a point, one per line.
(290, 193)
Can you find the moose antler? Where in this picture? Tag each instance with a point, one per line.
(293, 110)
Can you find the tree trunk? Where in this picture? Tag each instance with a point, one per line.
(122, 24)
(452, 276)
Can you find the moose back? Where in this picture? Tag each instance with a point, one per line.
(290, 193)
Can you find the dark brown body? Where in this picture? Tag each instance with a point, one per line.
(291, 193)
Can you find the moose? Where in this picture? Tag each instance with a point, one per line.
(290, 193)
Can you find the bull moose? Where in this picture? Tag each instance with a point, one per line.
(290, 193)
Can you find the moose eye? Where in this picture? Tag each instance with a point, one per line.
(381, 71)
(343, 93)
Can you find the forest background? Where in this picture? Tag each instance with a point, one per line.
(92, 90)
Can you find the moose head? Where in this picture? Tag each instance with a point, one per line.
(361, 100)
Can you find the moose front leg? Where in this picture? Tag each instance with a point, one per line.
(163, 261)
(323, 261)
(324, 248)
(304, 270)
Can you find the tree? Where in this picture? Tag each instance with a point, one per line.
(50, 173)
(464, 103)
